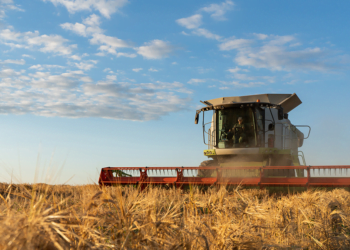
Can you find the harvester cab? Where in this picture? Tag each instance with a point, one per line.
(252, 131)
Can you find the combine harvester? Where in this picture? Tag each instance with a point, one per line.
(251, 142)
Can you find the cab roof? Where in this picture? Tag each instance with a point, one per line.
(287, 101)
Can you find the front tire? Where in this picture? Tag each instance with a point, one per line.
(207, 172)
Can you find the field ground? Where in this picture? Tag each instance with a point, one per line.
(87, 217)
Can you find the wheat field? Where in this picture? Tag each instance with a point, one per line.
(87, 217)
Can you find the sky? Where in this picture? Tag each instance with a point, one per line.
(87, 84)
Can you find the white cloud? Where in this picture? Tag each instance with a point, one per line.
(202, 70)
(218, 10)
(36, 67)
(194, 81)
(242, 85)
(274, 53)
(75, 57)
(100, 54)
(235, 70)
(105, 7)
(250, 78)
(11, 61)
(174, 63)
(51, 43)
(90, 26)
(155, 49)
(261, 36)
(29, 56)
(78, 57)
(46, 66)
(174, 86)
(295, 44)
(130, 55)
(206, 33)
(51, 66)
(92, 21)
(244, 77)
(55, 44)
(234, 44)
(194, 22)
(153, 70)
(78, 28)
(137, 69)
(280, 40)
(7, 5)
(108, 44)
(44, 81)
(191, 22)
(111, 77)
(86, 66)
(9, 35)
(292, 82)
(8, 73)
(74, 94)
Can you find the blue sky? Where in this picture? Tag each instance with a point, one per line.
(87, 84)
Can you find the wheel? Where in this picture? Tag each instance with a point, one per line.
(207, 172)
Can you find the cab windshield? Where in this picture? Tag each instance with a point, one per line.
(239, 127)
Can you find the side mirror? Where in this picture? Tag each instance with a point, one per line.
(196, 118)
(285, 116)
(271, 127)
(280, 114)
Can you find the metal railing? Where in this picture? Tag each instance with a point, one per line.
(301, 155)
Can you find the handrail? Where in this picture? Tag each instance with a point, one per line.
(302, 156)
(209, 138)
(304, 126)
(213, 137)
(205, 132)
